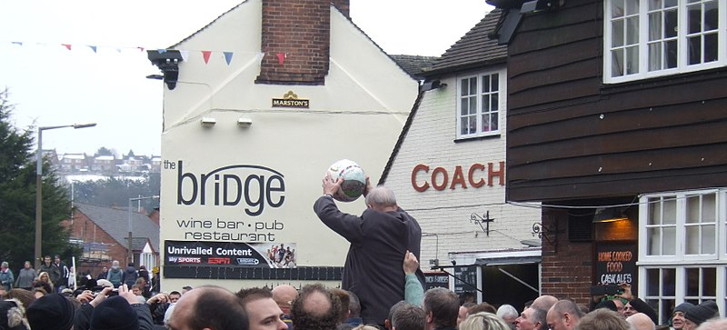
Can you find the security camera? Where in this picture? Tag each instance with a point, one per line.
(454, 262)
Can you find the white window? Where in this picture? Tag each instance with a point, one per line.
(480, 103)
(649, 38)
(680, 258)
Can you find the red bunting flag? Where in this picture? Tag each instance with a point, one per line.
(206, 56)
(68, 46)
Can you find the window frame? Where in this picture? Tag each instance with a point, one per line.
(501, 104)
(681, 233)
(681, 262)
(682, 65)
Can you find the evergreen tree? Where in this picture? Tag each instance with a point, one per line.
(17, 197)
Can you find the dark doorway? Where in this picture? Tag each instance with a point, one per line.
(500, 287)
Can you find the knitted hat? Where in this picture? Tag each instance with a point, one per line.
(698, 314)
(683, 307)
(607, 304)
(114, 313)
(711, 305)
(12, 315)
(51, 312)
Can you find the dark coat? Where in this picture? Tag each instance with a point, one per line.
(373, 268)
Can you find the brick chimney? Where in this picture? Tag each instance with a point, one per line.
(343, 6)
(296, 41)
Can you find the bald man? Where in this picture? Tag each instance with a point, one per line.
(641, 321)
(208, 307)
(379, 238)
(544, 302)
(564, 315)
(284, 295)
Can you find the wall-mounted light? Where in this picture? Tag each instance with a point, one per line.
(208, 122)
(609, 214)
(244, 122)
(541, 5)
(430, 85)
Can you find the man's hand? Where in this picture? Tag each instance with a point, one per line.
(411, 264)
(627, 294)
(159, 298)
(330, 187)
(128, 295)
(85, 296)
(101, 296)
(368, 187)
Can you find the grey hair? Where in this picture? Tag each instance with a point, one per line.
(507, 310)
(381, 196)
(5, 264)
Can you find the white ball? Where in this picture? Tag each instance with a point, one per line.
(354, 180)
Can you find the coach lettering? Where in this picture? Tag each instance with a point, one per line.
(477, 175)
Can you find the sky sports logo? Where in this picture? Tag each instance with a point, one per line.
(185, 260)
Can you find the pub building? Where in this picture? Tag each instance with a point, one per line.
(621, 140)
(448, 171)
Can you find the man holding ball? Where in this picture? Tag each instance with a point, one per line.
(379, 239)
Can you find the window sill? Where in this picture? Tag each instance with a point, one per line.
(489, 136)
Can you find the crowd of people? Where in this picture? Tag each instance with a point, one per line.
(316, 307)
(382, 288)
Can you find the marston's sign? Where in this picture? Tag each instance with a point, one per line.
(438, 178)
(291, 100)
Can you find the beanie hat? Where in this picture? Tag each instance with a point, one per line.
(12, 315)
(114, 313)
(607, 304)
(698, 314)
(711, 305)
(683, 307)
(51, 312)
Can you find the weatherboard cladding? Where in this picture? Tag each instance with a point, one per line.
(116, 223)
(475, 48)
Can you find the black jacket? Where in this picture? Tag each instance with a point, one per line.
(373, 268)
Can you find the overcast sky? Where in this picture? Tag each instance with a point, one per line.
(51, 85)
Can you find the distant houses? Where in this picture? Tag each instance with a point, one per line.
(102, 233)
(107, 165)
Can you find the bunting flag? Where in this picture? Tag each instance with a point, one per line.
(185, 55)
(206, 56)
(228, 57)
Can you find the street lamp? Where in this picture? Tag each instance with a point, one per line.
(129, 253)
(38, 188)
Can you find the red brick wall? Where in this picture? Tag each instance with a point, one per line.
(81, 227)
(295, 42)
(567, 266)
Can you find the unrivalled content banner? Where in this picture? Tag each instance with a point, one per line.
(279, 255)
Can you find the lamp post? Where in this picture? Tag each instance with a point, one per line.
(39, 187)
(129, 253)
